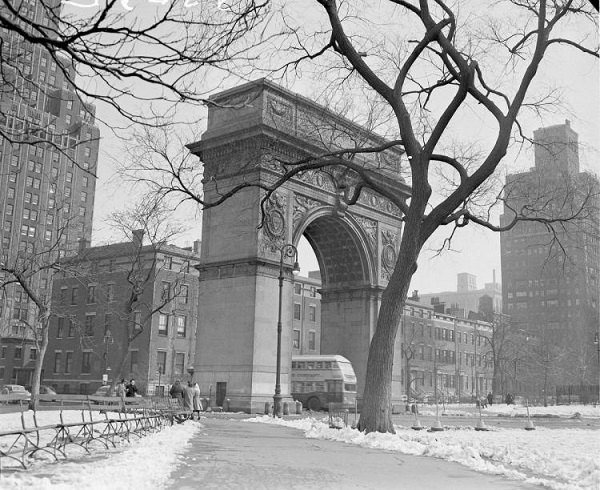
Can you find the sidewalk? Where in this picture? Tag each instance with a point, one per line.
(231, 454)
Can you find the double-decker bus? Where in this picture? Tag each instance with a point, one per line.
(318, 381)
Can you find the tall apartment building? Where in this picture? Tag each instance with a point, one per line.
(48, 160)
(88, 337)
(550, 282)
(466, 297)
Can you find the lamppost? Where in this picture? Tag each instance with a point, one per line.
(597, 344)
(287, 250)
(190, 371)
(108, 339)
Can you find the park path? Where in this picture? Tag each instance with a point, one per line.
(232, 454)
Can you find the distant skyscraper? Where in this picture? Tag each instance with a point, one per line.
(48, 159)
(550, 280)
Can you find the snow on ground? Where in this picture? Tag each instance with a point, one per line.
(563, 411)
(143, 463)
(560, 459)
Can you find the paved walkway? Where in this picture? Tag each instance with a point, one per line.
(231, 454)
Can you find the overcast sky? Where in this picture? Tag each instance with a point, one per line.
(474, 250)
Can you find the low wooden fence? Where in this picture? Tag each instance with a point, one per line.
(104, 420)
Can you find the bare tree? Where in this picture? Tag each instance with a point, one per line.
(140, 64)
(441, 70)
(147, 227)
(28, 272)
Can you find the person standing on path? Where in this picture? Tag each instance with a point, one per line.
(197, 403)
(188, 397)
(131, 389)
(176, 390)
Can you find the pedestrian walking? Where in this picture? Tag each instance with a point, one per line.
(197, 402)
(490, 399)
(176, 390)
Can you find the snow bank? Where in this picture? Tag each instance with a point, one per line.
(144, 463)
(561, 459)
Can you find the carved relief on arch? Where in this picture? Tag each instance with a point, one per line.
(302, 205)
(389, 254)
(274, 231)
(369, 226)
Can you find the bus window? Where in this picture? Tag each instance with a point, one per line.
(319, 386)
(327, 364)
(294, 365)
(301, 365)
(310, 365)
(318, 365)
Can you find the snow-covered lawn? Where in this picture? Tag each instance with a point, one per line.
(563, 411)
(555, 458)
(560, 459)
(143, 463)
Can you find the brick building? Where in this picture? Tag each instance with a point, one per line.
(89, 334)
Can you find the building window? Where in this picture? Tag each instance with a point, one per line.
(168, 263)
(181, 326)
(313, 292)
(166, 290)
(57, 361)
(183, 294)
(86, 362)
(161, 361)
(71, 332)
(91, 296)
(60, 328)
(312, 340)
(297, 315)
(179, 363)
(133, 365)
(74, 296)
(163, 324)
(89, 325)
(68, 362)
(297, 288)
(18, 353)
(110, 292)
(4, 350)
(137, 321)
(312, 313)
(296, 339)
(69, 104)
(9, 209)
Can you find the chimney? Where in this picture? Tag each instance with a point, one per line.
(415, 295)
(138, 237)
(83, 244)
(197, 246)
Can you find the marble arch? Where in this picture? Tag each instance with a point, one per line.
(251, 130)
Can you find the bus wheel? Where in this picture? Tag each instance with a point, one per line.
(314, 404)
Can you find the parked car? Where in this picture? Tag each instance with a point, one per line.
(102, 391)
(15, 390)
(44, 390)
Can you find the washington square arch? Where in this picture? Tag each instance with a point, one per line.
(252, 131)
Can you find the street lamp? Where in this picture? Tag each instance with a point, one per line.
(597, 344)
(190, 371)
(287, 250)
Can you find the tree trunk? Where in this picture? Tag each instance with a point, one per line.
(376, 413)
(37, 372)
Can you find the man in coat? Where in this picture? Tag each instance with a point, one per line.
(176, 390)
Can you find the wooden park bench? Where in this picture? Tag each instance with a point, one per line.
(120, 419)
